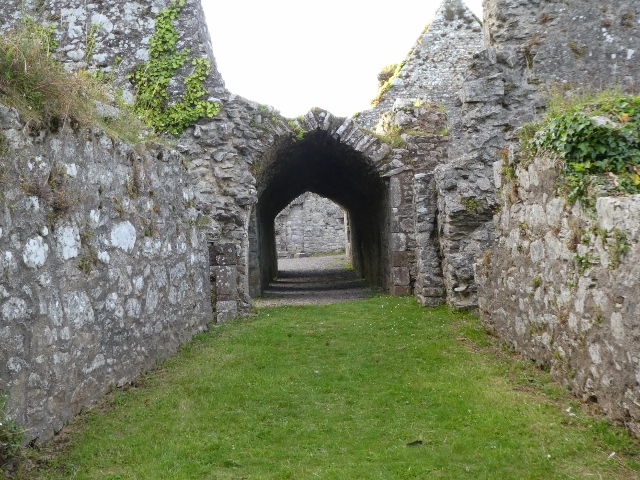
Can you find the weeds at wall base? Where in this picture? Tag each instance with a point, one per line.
(11, 436)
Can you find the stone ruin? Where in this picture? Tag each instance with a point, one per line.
(311, 225)
(415, 176)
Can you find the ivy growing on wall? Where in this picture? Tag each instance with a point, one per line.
(599, 144)
(151, 80)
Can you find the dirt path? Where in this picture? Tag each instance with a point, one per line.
(313, 280)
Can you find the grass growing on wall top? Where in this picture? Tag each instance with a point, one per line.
(388, 83)
(379, 388)
(597, 137)
(34, 83)
(46, 95)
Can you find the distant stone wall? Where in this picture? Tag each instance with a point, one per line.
(557, 286)
(103, 270)
(310, 224)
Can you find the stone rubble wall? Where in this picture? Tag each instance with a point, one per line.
(154, 235)
(531, 47)
(103, 269)
(436, 65)
(310, 224)
(439, 182)
(557, 287)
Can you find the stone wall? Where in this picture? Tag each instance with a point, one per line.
(420, 193)
(531, 47)
(436, 65)
(559, 288)
(415, 257)
(227, 152)
(249, 152)
(310, 224)
(104, 271)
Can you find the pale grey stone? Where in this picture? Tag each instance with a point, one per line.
(78, 309)
(67, 242)
(14, 309)
(34, 254)
(123, 236)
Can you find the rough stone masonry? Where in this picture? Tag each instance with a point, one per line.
(96, 292)
(309, 225)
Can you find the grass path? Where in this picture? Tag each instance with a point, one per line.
(341, 392)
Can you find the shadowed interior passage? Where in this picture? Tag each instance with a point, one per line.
(321, 164)
(313, 280)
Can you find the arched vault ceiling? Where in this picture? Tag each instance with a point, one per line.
(320, 164)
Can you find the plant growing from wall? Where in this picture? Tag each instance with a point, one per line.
(577, 49)
(618, 247)
(598, 141)
(46, 95)
(90, 40)
(33, 82)
(472, 205)
(583, 261)
(392, 137)
(388, 83)
(386, 73)
(297, 131)
(88, 259)
(151, 80)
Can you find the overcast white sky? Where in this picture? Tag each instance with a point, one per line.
(298, 54)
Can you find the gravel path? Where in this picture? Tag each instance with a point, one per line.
(313, 280)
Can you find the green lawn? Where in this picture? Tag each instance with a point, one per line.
(338, 392)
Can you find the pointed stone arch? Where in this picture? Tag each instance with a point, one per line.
(260, 161)
(336, 159)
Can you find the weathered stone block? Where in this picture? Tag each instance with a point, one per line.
(400, 276)
(398, 242)
(222, 254)
(226, 279)
(226, 310)
(400, 290)
(483, 90)
(400, 259)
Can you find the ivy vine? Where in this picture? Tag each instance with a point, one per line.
(151, 80)
(595, 152)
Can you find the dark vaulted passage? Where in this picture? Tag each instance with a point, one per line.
(321, 164)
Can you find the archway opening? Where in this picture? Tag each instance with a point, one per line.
(321, 164)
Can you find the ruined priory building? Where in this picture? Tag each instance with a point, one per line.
(417, 175)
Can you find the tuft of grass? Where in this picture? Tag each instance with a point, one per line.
(11, 436)
(386, 85)
(47, 96)
(386, 73)
(472, 205)
(392, 137)
(34, 83)
(378, 388)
